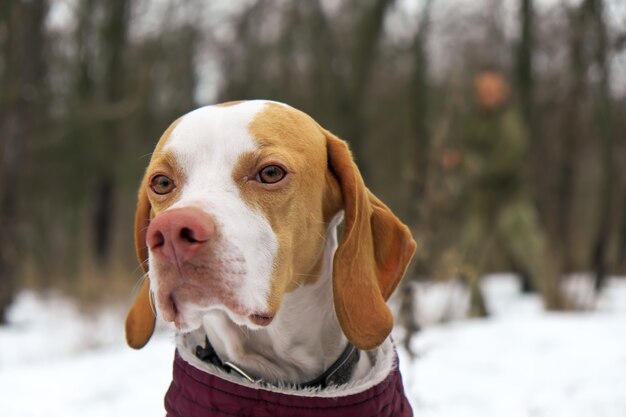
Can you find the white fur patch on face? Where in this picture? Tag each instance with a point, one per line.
(207, 144)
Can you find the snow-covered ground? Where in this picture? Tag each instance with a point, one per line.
(523, 362)
(57, 361)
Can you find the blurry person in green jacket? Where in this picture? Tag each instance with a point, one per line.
(495, 196)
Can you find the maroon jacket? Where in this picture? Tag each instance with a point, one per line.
(194, 393)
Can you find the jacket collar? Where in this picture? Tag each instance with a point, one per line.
(198, 394)
(337, 374)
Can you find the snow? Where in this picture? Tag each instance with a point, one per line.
(523, 362)
(56, 360)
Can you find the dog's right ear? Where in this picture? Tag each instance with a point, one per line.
(141, 318)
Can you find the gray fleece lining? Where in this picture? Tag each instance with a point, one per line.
(383, 358)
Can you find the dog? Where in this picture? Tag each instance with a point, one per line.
(236, 229)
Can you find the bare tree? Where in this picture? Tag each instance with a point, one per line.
(604, 126)
(367, 34)
(524, 60)
(20, 116)
(418, 162)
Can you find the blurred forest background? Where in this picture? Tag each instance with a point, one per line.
(87, 87)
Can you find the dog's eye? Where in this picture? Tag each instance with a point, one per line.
(271, 174)
(161, 184)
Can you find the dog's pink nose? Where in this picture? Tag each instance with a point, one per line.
(176, 235)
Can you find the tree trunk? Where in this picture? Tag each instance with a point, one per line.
(19, 120)
(524, 60)
(113, 41)
(418, 101)
(367, 35)
(417, 163)
(525, 89)
(603, 123)
(570, 143)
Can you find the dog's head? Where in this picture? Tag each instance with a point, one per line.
(233, 212)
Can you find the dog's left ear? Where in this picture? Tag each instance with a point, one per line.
(372, 257)
(141, 319)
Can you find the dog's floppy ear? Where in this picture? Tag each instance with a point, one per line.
(141, 319)
(372, 256)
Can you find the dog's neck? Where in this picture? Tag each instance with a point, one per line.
(302, 341)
